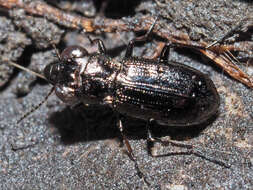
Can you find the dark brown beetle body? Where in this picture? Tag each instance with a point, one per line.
(171, 93)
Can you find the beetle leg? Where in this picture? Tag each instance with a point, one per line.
(165, 53)
(243, 24)
(150, 139)
(100, 43)
(130, 46)
(130, 152)
(163, 58)
(191, 149)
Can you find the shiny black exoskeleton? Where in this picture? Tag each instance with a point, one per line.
(171, 93)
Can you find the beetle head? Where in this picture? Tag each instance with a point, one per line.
(65, 74)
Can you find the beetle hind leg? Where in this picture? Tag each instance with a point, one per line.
(191, 149)
(130, 152)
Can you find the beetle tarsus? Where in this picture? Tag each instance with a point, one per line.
(191, 150)
(232, 31)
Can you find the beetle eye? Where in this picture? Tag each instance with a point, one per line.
(52, 71)
(72, 52)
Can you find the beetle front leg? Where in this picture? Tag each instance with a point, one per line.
(130, 152)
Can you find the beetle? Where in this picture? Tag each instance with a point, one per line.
(167, 92)
(170, 93)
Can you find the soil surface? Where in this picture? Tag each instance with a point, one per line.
(61, 147)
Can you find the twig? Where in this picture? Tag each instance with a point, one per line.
(98, 25)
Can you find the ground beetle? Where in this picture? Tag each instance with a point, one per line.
(170, 93)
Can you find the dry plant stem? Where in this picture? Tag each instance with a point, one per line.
(229, 67)
(160, 46)
(143, 23)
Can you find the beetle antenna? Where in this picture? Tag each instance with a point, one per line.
(27, 70)
(53, 45)
(34, 108)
